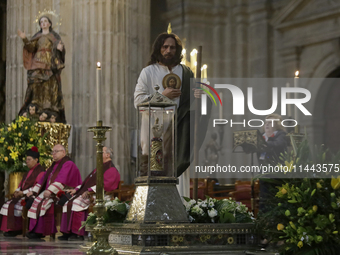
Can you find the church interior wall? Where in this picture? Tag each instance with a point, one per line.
(3, 7)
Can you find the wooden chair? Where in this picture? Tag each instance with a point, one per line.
(256, 197)
(202, 188)
(206, 187)
(241, 185)
(58, 212)
(222, 193)
(123, 192)
(24, 221)
(243, 194)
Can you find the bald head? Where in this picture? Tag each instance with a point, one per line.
(58, 152)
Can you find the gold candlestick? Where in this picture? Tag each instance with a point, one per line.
(101, 245)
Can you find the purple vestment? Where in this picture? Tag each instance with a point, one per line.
(42, 210)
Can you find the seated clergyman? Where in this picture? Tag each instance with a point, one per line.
(62, 174)
(11, 212)
(75, 210)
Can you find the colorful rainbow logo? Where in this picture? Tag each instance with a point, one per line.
(208, 92)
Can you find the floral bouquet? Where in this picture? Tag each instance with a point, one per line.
(15, 139)
(303, 214)
(212, 210)
(116, 211)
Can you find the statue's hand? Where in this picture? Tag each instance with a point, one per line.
(171, 93)
(60, 46)
(21, 34)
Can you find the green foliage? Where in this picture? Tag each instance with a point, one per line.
(116, 212)
(304, 212)
(15, 139)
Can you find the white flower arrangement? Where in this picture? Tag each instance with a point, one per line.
(213, 210)
(212, 213)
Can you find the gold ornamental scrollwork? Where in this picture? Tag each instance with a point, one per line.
(249, 140)
(58, 133)
(156, 159)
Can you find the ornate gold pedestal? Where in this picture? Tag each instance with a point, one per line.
(101, 245)
(14, 181)
(58, 133)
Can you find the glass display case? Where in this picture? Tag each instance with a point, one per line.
(156, 139)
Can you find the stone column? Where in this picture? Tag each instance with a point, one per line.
(2, 84)
(116, 33)
(241, 37)
(260, 37)
(3, 9)
(199, 23)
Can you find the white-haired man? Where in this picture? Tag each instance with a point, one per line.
(75, 210)
(61, 175)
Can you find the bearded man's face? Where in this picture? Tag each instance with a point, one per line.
(168, 51)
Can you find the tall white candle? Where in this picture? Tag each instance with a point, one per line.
(98, 78)
(193, 61)
(221, 107)
(204, 73)
(296, 84)
(289, 110)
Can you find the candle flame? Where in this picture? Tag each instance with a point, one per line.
(193, 52)
(204, 67)
(98, 65)
(184, 51)
(297, 74)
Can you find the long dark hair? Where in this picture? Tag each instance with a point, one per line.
(156, 48)
(50, 28)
